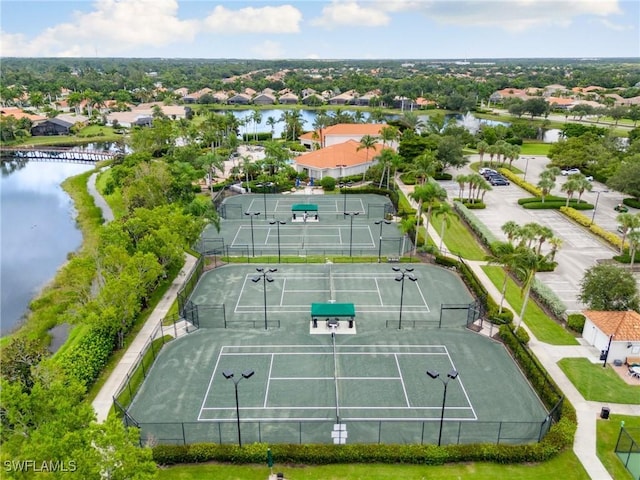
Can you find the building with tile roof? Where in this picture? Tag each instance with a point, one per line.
(619, 329)
(340, 133)
(337, 161)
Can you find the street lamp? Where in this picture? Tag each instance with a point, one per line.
(277, 223)
(351, 214)
(228, 374)
(404, 273)
(263, 274)
(595, 207)
(526, 167)
(264, 187)
(381, 223)
(452, 375)
(253, 245)
(343, 187)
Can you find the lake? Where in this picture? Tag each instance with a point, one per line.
(38, 231)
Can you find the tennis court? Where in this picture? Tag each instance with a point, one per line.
(369, 386)
(373, 289)
(257, 225)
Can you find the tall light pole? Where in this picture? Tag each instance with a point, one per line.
(253, 244)
(381, 223)
(526, 167)
(595, 207)
(452, 375)
(277, 223)
(351, 214)
(343, 187)
(263, 274)
(264, 187)
(228, 374)
(404, 273)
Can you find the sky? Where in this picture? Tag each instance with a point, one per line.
(337, 29)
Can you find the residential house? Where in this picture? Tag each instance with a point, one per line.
(365, 100)
(19, 114)
(403, 103)
(339, 160)
(52, 126)
(264, 99)
(554, 90)
(561, 103)
(313, 99)
(501, 95)
(346, 98)
(288, 99)
(619, 332)
(342, 132)
(239, 99)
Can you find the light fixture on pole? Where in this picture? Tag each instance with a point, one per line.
(263, 274)
(452, 375)
(595, 207)
(381, 223)
(277, 223)
(351, 214)
(253, 244)
(228, 374)
(343, 187)
(404, 273)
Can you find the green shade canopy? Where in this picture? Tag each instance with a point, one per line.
(333, 310)
(304, 207)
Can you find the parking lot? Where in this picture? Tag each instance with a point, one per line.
(580, 250)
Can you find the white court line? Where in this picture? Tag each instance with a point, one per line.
(235, 237)
(339, 378)
(251, 347)
(435, 407)
(340, 236)
(266, 393)
(284, 283)
(258, 354)
(266, 240)
(379, 293)
(206, 394)
(238, 306)
(404, 388)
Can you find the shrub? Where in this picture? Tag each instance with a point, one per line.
(575, 322)
(631, 202)
(479, 228)
(522, 335)
(547, 297)
(85, 360)
(328, 183)
(532, 189)
(556, 204)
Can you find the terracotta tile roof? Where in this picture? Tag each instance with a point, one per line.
(624, 326)
(351, 129)
(17, 113)
(345, 153)
(560, 101)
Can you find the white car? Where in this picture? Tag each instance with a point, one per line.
(570, 171)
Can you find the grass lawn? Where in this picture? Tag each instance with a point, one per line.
(599, 384)
(535, 148)
(114, 200)
(544, 328)
(565, 466)
(607, 436)
(458, 239)
(93, 134)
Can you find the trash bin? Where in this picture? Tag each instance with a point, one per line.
(604, 413)
(603, 354)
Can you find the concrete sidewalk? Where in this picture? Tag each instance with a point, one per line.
(584, 445)
(104, 400)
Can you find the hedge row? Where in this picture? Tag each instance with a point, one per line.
(556, 441)
(85, 360)
(609, 237)
(476, 225)
(515, 179)
(548, 298)
(556, 205)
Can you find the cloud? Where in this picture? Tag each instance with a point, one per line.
(113, 27)
(340, 13)
(268, 50)
(515, 15)
(281, 19)
(615, 26)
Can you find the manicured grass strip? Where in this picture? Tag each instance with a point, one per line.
(458, 239)
(534, 148)
(599, 384)
(544, 328)
(565, 466)
(607, 436)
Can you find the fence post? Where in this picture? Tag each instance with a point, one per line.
(184, 436)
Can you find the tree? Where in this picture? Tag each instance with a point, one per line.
(527, 263)
(506, 256)
(423, 166)
(628, 222)
(571, 186)
(482, 148)
(427, 194)
(536, 107)
(18, 358)
(608, 287)
(445, 211)
(634, 244)
(367, 142)
(545, 185)
(627, 178)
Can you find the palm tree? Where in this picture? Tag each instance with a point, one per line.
(445, 211)
(506, 256)
(634, 244)
(570, 186)
(544, 234)
(528, 263)
(555, 243)
(628, 222)
(462, 180)
(406, 225)
(389, 134)
(492, 150)
(428, 194)
(583, 184)
(319, 124)
(386, 158)
(546, 184)
(367, 142)
(482, 148)
(256, 117)
(423, 166)
(271, 122)
(511, 229)
(412, 121)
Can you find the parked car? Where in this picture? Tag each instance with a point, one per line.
(570, 171)
(621, 208)
(484, 171)
(498, 181)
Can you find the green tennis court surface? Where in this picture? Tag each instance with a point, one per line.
(372, 383)
(256, 225)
